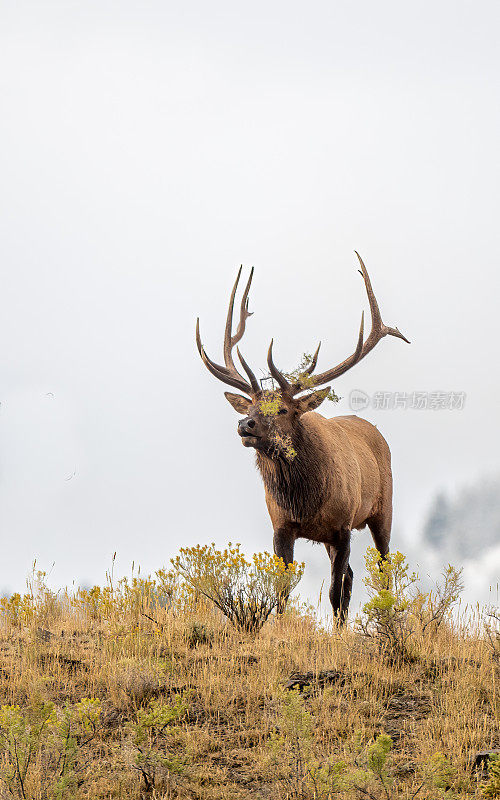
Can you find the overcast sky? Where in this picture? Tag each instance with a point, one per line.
(149, 148)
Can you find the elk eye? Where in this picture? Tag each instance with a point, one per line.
(282, 411)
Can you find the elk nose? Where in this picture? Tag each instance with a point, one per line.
(246, 425)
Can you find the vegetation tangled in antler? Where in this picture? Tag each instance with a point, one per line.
(271, 402)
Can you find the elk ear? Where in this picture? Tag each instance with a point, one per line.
(239, 403)
(313, 400)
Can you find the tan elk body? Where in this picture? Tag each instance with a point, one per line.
(322, 477)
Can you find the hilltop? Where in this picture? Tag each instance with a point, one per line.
(106, 695)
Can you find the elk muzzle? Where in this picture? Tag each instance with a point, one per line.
(247, 429)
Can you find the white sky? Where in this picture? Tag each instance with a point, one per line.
(146, 150)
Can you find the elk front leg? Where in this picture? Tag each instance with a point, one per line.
(341, 585)
(283, 543)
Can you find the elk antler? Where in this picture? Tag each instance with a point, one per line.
(229, 374)
(378, 331)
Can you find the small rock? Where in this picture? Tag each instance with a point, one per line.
(479, 762)
(299, 680)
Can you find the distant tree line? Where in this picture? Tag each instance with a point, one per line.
(458, 526)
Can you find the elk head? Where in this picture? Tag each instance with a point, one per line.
(270, 417)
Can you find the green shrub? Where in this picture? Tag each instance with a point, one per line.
(41, 749)
(150, 736)
(133, 597)
(245, 591)
(197, 633)
(491, 787)
(38, 606)
(300, 772)
(397, 611)
(292, 755)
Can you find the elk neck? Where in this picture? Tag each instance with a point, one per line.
(297, 484)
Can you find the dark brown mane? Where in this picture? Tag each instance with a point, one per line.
(297, 484)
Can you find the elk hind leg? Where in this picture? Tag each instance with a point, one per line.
(380, 528)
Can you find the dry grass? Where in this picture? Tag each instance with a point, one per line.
(446, 701)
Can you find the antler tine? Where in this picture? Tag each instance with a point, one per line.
(378, 331)
(229, 374)
(285, 387)
(253, 380)
(228, 360)
(312, 365)
(374, 309)
(220, 372)
(378, 326)
(323, 377)
(229, 339)
(244, 312)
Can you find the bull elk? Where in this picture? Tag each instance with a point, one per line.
(322, 477)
